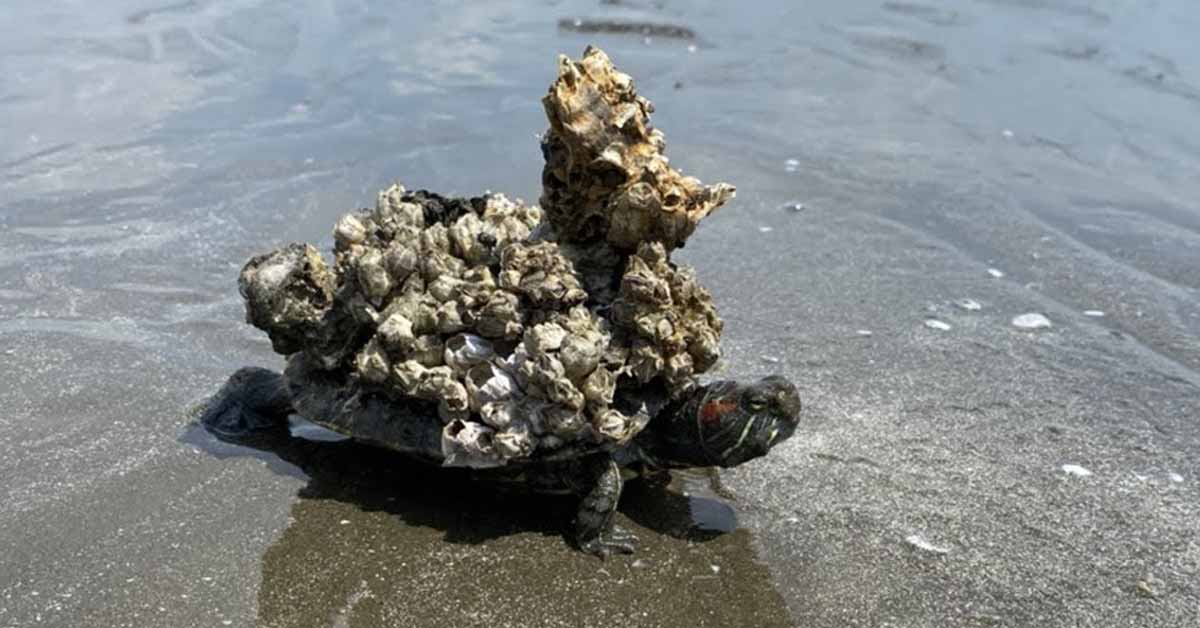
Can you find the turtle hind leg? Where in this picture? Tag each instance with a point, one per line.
(254, 400)
(595, 531)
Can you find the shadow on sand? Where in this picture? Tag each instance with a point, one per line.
(375, 536)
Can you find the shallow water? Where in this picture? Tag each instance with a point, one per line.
(150, 148)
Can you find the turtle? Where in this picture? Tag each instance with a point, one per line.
(723, 424)
(551, 345)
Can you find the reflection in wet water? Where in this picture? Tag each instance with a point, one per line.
(377, 540)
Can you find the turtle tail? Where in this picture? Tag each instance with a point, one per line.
(253, 401)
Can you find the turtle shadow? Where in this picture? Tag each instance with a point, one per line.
(462, 505)
(373, 479)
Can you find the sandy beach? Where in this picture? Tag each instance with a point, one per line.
(915, 179)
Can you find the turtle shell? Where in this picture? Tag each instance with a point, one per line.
(324, 398)
(414, 428)
(482, 331)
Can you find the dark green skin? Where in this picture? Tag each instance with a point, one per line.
(721, 424)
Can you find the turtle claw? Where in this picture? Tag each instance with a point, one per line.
(616, 541)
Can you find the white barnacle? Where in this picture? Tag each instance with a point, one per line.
(349, 231)
(466, 350)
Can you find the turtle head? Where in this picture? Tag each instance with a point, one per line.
(726, 423)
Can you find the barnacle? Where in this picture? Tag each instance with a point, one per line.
(519, 326)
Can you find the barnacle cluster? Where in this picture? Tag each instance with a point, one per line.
(606, 177)
(519, 326)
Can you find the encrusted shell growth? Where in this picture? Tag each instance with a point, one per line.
(606, 176)
(287, 293)
(518, 330)
(674, 324)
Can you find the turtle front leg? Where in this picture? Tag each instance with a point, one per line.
(594, 529)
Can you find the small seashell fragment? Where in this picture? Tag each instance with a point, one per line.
(1076, 470)
(1032, 320)
(919, 542)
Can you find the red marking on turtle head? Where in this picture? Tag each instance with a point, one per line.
(714, 410)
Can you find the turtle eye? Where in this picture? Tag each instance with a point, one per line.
(756, 403)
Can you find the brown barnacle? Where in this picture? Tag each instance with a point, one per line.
(673, 198)
(580, 354)
(531, 215)
(543, 338)
(684, 287)
(435, 238)
(391, 195)
(678, 371)
(560, 390)
(464, 351)
(498, 205)
(617, 353)
(373, 277)
(287, 293)
(645, 361)
(510, 280)
(407, 304)
(509, 229)
(599, 266)
(541, 274)
(349, 231)
(406, 376)
(599, 387)
(640, 284)
(429, 350)
(393, 212)
(400, 261)
(488, 384)
(500, 316)
(436, 264)
(363, 313)
(504, 222)
(636, 212)
(433, 378)
(450, 318)
(647, 326)
(705, 349)
(476, 286)
(500, 414)
(372, 362)
(444, 288)
(469, 444)
(413, 287)
(441, 385)
(533, 370)
(514, 441)
(396, 333)
(424, 316)
(465, 242)
(613, 425)
(541, 375)
(567, 423)
(453, 406)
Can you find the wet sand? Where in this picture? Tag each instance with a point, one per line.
(972, 473)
